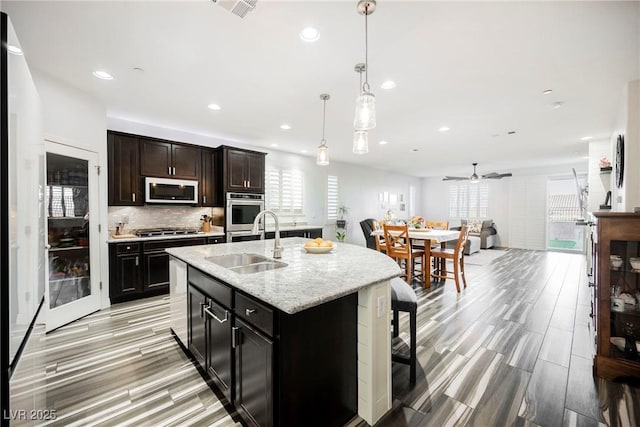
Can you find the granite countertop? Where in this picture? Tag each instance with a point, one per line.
(291, 227)
(134, 238)
(307, 281)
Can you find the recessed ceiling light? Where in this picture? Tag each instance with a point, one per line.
(215, 107)
(547, 92)
(285, 126)
(310, 34)
(389, 84)
(557, 105)
(383, 142)
(102, 75)
(586, 138)
(443, 129)
(274, 145)
(14, 49)
(303, 151)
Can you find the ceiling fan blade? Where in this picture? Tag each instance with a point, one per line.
(455, 178)
(494, 175)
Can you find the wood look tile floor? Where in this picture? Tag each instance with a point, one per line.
(514, 348)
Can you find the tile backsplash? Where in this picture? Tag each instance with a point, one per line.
(161, 216)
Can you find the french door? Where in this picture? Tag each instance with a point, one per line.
(71, 205)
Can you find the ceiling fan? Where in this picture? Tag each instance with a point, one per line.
(475, 178)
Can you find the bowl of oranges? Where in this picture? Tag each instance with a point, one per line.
(318, 246)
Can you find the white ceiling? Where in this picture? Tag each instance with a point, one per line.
(477, 67)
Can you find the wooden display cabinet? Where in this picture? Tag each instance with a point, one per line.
(617, 322)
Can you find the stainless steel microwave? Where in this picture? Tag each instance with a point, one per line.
(165, 190)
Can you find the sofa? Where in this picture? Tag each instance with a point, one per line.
(484, 229)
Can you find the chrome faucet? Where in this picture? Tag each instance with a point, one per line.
(277, 249)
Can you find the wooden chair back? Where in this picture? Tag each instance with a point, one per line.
(437, 225)
(461, 242)
(397, 240)
(381, 245)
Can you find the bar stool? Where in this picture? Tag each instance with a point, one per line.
(403, 298)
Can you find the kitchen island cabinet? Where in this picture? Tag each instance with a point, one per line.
(297, 332)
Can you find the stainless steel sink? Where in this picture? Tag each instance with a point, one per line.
(246, 263)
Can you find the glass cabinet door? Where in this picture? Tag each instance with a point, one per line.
(73, 289)
(624, 265)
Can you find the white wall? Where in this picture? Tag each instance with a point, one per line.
(632, 147)
(599, 183)
(74, 118)
(358, 186)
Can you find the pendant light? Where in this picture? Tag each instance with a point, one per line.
(360, 137)
(365, 117)
(322, 157)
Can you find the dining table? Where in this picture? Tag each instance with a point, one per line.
(429, 236)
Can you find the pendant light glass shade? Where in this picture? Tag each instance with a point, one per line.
(361, 142)
(322, 157)
(474, 179)
(365, 117)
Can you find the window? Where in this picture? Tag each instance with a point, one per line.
(332, 197)
(284, 191)
(468, 200)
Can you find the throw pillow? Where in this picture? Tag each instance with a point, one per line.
(474, 225)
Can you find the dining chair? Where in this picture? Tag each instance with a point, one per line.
(381, 245)
(399, 247)
(441, 255)
(367, 226)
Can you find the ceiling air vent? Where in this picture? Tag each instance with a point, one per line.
(238, 7)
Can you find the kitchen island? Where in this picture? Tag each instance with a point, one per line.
(304, 344)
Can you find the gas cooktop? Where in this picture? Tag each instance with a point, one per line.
(149, 232)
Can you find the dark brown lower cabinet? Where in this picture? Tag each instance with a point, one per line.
(276, 369)
(254, 374)
(140, 269)
(197, 325)
(219, 346)
(307, 233)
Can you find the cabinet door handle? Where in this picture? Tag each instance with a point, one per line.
(249, 311)
(234, 337)
(204, 199)
(169, 170)
(202, 305)
(133, 197)
(212, 314)
(248, 183)
(137, 261)
(174, 170)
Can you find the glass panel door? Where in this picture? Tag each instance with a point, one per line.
(72, 291)
(563, 207)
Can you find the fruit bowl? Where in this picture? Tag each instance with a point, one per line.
(318, 249)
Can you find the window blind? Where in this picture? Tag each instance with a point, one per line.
(332, 197)
(468, 200)
(284, 191)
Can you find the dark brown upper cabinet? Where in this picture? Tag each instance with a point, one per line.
(125, 186)
(208, 190)
(163, 159)
(243, 170)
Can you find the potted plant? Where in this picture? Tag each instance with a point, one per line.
(342, 211)
(341, 234)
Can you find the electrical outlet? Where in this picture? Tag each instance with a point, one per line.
(125, 219)
(382, 306)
